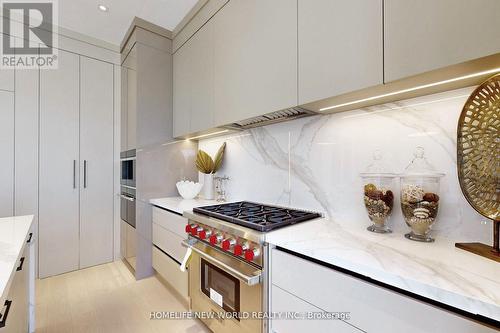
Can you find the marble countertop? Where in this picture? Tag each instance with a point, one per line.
(13, 236)
(438, 270)
(179, 205)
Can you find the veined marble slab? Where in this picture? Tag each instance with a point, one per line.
(179, 205)
(314, 163)
(13, 236)
(438, 270)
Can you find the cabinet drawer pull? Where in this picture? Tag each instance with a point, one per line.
(3, 318)
(29, 239)
(20, 268)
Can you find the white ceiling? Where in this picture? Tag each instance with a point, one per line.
(83, 16)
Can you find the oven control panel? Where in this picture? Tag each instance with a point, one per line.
(226, 242)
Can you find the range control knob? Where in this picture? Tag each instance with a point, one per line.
(228, 243)
(195, 230)
(239, 248)
(251, 254)
(215, 239)
(205, 233)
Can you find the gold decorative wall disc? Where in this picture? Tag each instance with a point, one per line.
(478, 148)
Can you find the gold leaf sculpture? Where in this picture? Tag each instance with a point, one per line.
(205, 164)
(218, 157)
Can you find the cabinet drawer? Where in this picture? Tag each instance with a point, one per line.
(170, 221)
(372, 308)
(168, 242)
(284, 302)
(169, 270)
(17, 316)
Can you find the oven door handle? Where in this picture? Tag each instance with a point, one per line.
(131, 199)
(250, 280)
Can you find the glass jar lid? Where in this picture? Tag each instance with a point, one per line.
(419, 166)
(378, 168)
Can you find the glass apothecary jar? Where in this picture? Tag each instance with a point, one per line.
(378, 193)
(420, 197)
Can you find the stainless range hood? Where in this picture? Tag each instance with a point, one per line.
(271, 118)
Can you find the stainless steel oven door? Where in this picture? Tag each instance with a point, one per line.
(225, 289)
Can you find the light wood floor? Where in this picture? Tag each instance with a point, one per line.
(106, 299)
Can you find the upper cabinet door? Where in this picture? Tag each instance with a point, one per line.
(422, 35)
(182, 91)
(194, 83)
(96, 162)
(124, 109)
(340, 47)
(255, 58)
(202, 84)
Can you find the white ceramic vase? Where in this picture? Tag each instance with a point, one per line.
(208, 186)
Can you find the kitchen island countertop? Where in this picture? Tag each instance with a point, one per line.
(14, 232)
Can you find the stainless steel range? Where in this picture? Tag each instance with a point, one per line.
(228, 271)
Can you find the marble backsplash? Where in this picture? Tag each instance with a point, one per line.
(314, 163)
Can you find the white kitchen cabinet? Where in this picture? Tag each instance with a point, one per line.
(333, 291)
(182, 91)
(59, 167)
(131, 109)
(283, 302)
(96, 162)
(7, 79)
(168, 233)
(124, 109)
(340, 47)
(194, 83)
(170, 272)
(76, 165)
(202, 65)
(255, 54)
(422, 35)
(17, 320)
(7, 150)
(26, 143)
(129, 101)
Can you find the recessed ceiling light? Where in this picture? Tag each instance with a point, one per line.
(103, 8)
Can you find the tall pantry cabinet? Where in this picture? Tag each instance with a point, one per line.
(76, 165)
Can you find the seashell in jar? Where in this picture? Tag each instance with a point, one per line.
(412, 193)
(431, 197)
(370, 187)
(421, 213)
(375, 195)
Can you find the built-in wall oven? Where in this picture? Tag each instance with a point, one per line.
(128, 166)
(128, 207)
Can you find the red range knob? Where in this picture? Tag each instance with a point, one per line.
(195, 230)
(188, 228)
(252, 254)
(239, 248)
(205, 233)
(215, 239)
(227, 244)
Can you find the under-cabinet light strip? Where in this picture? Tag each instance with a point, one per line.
(206, 135)
(491, 71)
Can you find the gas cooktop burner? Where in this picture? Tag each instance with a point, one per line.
(256, 216)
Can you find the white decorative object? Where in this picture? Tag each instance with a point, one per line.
(188, 189)
(208, 186)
